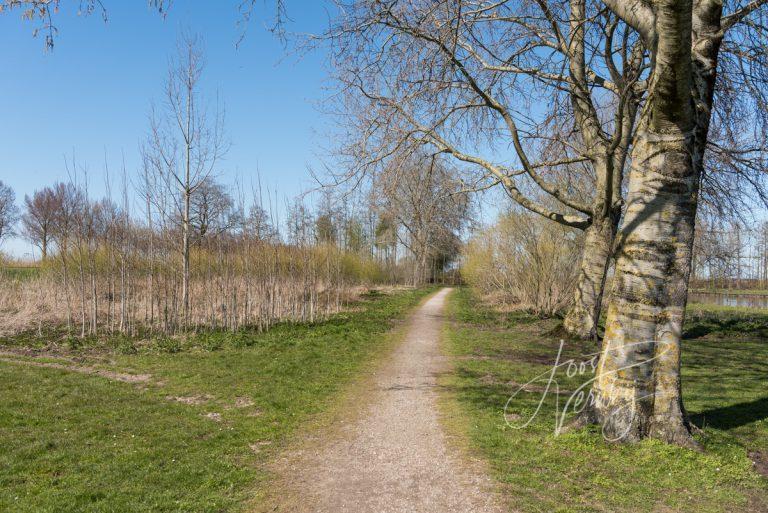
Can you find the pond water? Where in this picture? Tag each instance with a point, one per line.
(741, 300)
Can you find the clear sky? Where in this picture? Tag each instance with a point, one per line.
(92, 93)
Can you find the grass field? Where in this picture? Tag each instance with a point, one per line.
(193, 432)
(18, 272)
(724, 381)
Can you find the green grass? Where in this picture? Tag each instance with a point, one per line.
(75, 442)
(725, 359)
(19, 272)
(748, 292)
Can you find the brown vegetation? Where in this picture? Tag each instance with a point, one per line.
(235, 284)
(525, 260)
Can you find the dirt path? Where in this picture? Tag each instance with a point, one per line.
(394, 455)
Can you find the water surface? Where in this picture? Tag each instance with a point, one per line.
(722, 299)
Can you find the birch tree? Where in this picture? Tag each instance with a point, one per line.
(637, 392)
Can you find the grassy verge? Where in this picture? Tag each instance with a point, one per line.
(725, 360)
(197, 435)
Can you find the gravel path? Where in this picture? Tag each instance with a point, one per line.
(393, 456)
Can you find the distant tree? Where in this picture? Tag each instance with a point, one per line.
(421, 194)
(9, 212)
(258, 225)
(385, 241)
(328, 219)
(39, 217)
(325, 229)
(212, 210)
(69, 200)
(299, 224)
(354, 236)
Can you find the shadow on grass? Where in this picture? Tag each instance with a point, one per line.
(490, 392)
(736, 415)
(701, 325)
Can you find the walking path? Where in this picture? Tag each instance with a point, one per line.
(393, 456)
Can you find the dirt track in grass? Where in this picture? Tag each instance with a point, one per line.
(390, 455)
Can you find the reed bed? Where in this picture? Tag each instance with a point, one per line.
(234, 284)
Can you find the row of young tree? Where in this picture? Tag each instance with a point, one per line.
(105, 270)
(123, 267)
(728, 255)
(178, 250)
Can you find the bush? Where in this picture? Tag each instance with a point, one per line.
(168, 344)
(125, 345)
(525, 259)
(210, 341)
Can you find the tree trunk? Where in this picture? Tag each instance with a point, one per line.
(637, 393)
(599, 239)
(185, 260)
(68, 298)
(608, 161)
(637, 390)
(581, 320)
(705, 51)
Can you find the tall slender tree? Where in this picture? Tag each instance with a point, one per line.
(185, 143)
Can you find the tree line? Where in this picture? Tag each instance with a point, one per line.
(728, 255)
(173, 249)
(124, 266)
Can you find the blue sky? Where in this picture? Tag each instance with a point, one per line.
(92, 93)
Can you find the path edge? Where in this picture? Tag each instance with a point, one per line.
(454, 421)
